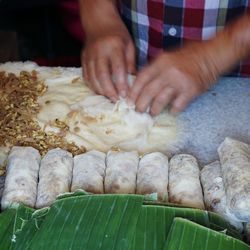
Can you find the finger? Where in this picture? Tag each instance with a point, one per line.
(130, 58)
(147, 95)
(85, 74)
(104, 78)
(84, 67)
(180, 103)
(163, 98)
(93, 82)
(143, 78)
(119, 71)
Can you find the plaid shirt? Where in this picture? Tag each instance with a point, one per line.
(163, 24)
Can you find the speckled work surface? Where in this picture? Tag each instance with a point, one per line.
(224, 111)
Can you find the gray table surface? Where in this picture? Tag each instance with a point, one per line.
(224, 111)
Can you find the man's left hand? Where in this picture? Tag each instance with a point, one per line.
(174, 78)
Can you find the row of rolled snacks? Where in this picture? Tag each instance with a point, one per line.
(222, 186)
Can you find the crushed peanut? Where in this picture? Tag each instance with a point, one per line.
(18, 107)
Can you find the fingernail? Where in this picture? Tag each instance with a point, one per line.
(130, 102)
(174, 111)
(113, 98)
(123, 94)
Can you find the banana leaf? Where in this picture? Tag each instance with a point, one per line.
(194, 236)
(84, 221)
(155, 221)
(12, 221)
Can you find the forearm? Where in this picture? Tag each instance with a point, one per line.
(230, 46)
(239, 32)
(100, 15)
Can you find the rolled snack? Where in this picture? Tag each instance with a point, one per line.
(184, 181)
(152, 176)
(121, 172)
(21, 179)
(54, 176)
(214, 193)
(235, 165)
(88, 172)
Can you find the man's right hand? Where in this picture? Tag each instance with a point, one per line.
(109, 52)
(106, 60)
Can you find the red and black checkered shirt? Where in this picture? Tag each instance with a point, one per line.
(163, 24)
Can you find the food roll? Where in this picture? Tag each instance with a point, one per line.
(152, 176)
(88, 172)
(121, 169)
(184, 181)
(21, 179)
(235, 164)
(54, 176)
(214, 192)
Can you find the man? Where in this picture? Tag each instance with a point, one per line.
(177, 74)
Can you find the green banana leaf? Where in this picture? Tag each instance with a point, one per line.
(83, 221)
(195, 236)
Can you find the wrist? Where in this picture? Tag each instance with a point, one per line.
(231, 45)
(100, 17)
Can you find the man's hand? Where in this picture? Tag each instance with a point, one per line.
(173, 78)
(109, 54)
(176, 78)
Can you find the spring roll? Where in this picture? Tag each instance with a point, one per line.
(121, 172)
(235, 165)
(184, 181)
(21, 179)
(152, 176)
(54, 176)
(214, 193)
(88, 172)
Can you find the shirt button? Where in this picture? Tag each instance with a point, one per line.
(172, 31)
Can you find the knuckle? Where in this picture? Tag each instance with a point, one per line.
(120, 80)
(118, 68)
(160, 99)
(101, 74)
(149, 89)
(116, 41)
(175, 71)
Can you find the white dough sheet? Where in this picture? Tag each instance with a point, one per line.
(89, 172)
(121, 169)
(235, 164)
(152, 176)
(214, 193)
(21, 179)
(184, 181)
(54, 176)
